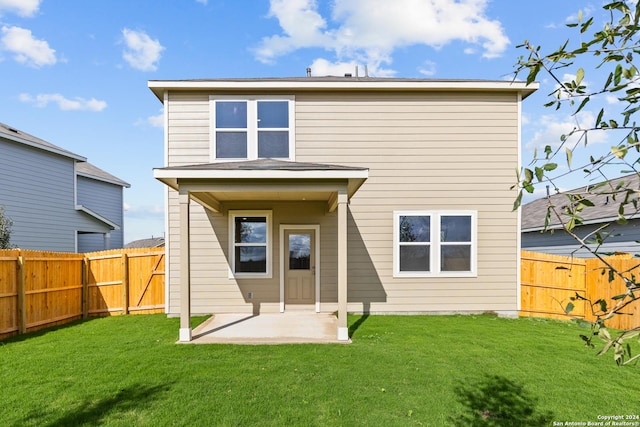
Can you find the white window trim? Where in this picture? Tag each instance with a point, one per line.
(435, 243)
(252, 125)
(232, 253)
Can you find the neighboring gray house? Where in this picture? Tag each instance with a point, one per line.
(622, 237)
(56, 200)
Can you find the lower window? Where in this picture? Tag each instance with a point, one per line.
(250, 243)
(430, 243)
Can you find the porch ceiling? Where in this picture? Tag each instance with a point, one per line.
(265, 179)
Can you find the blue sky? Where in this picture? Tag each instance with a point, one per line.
(75, 72)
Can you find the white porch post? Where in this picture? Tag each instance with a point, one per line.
(185, 268)
(343, 330)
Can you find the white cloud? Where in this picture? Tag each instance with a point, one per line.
(21, 7)
(551, 127)
(370, 30)
(428, 68)
(65, 104)
(204, 2)
(155, 121)
(323, 67)
(142, 52)
(611, 99)
(27, 49)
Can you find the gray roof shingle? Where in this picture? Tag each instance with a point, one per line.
(606, 200)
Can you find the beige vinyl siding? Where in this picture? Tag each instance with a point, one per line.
(426, 151)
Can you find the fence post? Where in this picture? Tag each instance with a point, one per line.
(125, 284)
(85, 287)
(21, 291)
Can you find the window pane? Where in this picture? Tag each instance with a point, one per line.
(455, 228)
(273, 144)
(273, 114)
(455, 258)
(231, 114)
(415, 229)
(231, 145)
(251, 230)
(299, 252)
(414, 258)
(251, 259)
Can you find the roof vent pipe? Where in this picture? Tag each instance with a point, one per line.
(357, 71)
(308, 71)
(366, 70)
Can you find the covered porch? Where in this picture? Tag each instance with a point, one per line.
(218, 185)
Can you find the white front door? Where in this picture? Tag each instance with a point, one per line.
(300, 267)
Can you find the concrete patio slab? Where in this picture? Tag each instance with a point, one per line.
(277, 328)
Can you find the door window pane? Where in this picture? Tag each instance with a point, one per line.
(231, 114)
(414, 258)
(273, 144)
(299, 252)
(231, 145)
(273, 114)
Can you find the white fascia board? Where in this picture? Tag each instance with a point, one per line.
(158, 87)
(108, 181)
(346, 84)
(97, 216)
(259, 174)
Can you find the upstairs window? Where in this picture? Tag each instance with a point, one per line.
(249, 129)
(434, 243)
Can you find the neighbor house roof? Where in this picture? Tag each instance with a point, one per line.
(152, 242)
(91, 171)
(606, 200)
(16, 135)
(346, 83)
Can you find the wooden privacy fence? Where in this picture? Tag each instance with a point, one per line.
(549, 281)
(42, 289)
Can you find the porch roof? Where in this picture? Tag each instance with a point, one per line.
(211, 184)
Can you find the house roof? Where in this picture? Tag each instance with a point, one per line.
(263, 179)
(346, 83)
(88, 170)
(16, 135)
(152, 242)
(605, 208)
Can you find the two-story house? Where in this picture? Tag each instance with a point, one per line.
(340, 194)
(56, 200)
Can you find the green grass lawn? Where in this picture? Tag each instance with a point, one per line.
(399, 370)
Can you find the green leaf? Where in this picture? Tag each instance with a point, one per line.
(569, 153)
(579, 75)
(599, 118)
(569, 308)
(582, 104)
(550, 166)
(518, 201)
(617, 75)
(617, 297)
(528, 175)
(539, 174)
